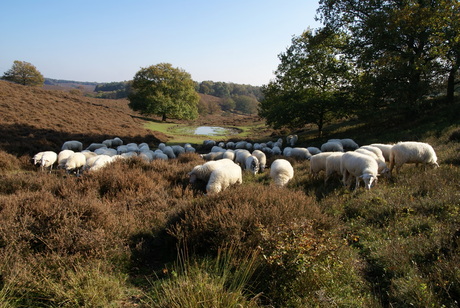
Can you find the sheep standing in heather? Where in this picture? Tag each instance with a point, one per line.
(47, 160)
(333, 165)
(252, 164)
(221, 178)
(361, 167)
(332, 146)
(411, 152)
(383, 168)
(63, 156)
(281, 172)
(75, 163)
(292, 140)
(300, 153)
(318, 163)
(203, 172)
(262, 158)
(73, 145)
(385, 148)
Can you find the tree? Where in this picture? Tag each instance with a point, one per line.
(246, 104)
(311, 84)
(402, 47)
(24, 73)
(165, 91)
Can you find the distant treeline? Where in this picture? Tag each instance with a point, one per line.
(239, 97)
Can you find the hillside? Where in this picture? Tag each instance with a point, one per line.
(32, 117)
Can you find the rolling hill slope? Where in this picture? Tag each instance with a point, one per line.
(33, 119)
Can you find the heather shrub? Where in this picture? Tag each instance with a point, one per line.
(8, 162)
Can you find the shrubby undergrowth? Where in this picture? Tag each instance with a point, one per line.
(138, 234)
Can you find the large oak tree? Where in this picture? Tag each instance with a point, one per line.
(165, 91)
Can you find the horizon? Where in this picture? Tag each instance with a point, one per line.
(104, 41)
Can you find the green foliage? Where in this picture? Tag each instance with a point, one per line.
(210, 282)
(246, 104)
(24, 73)
(311, 84)
(164, 90)
(405, 50)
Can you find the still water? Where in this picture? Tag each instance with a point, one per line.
(214, 131)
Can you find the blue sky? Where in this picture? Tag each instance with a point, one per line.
(231, 41)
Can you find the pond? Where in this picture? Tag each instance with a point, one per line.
(215, 131)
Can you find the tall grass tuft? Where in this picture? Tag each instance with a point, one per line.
(208, 282)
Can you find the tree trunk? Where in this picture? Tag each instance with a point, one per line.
(164, 117)
(451, 80)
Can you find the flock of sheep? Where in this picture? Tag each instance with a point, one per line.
(225, 162)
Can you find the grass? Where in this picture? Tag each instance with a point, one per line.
(179, 133)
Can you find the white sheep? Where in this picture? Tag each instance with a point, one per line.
(241, 155)
(292, 140)
(209, 143)
(361, 167)
(63, 156)
(349, 144)
(158, 154)
(376, 150)
(313, 150)
(75, 163)
(385, 148)
(106, 151)
(411, 152)
(318, 163)
(262, 159)
(93, 146)
(178, 150)
(116, 142)
(169, 151)
(287, 151)
(47, 160)
(189, 148)
(252, 164)
(73, 145)
(333, 165)
(223, 177)
(203, 172)
(332, 146)
(100, 162)
(281, 171)
(383, 168)
(300, 153)
(212, 156)
(37, 158)
(229, 154)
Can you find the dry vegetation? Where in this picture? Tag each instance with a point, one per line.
(138, 234)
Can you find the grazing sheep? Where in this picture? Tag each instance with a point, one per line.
(333, 165)
(146, 156)
(63, 156)
(106, 151)
(287, 151)
(229, 154)
(75, 163)
(158, 154)
(383, 168)
(88, 154)
(281, 172)
(169, 151)
(208, 143)
(223, 177)
(262, 159)
(37, 158)
(349, 144)
(375, 150)
(313, 150)
(73, 145)
(318, 163)
(385, 148)
(230, 145)
(47, 160)
(203, 172)
(94, 146)
(332, 146)
(100, 162)
(300, 153)
(252, 164)
(212, 156)
(178, 150)
(189, 149)
(292, 140)
(411, 152)
(276, 150)
(133, 147)
(217, 148)
(116, 142)
(361, 167)
(240, 156)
